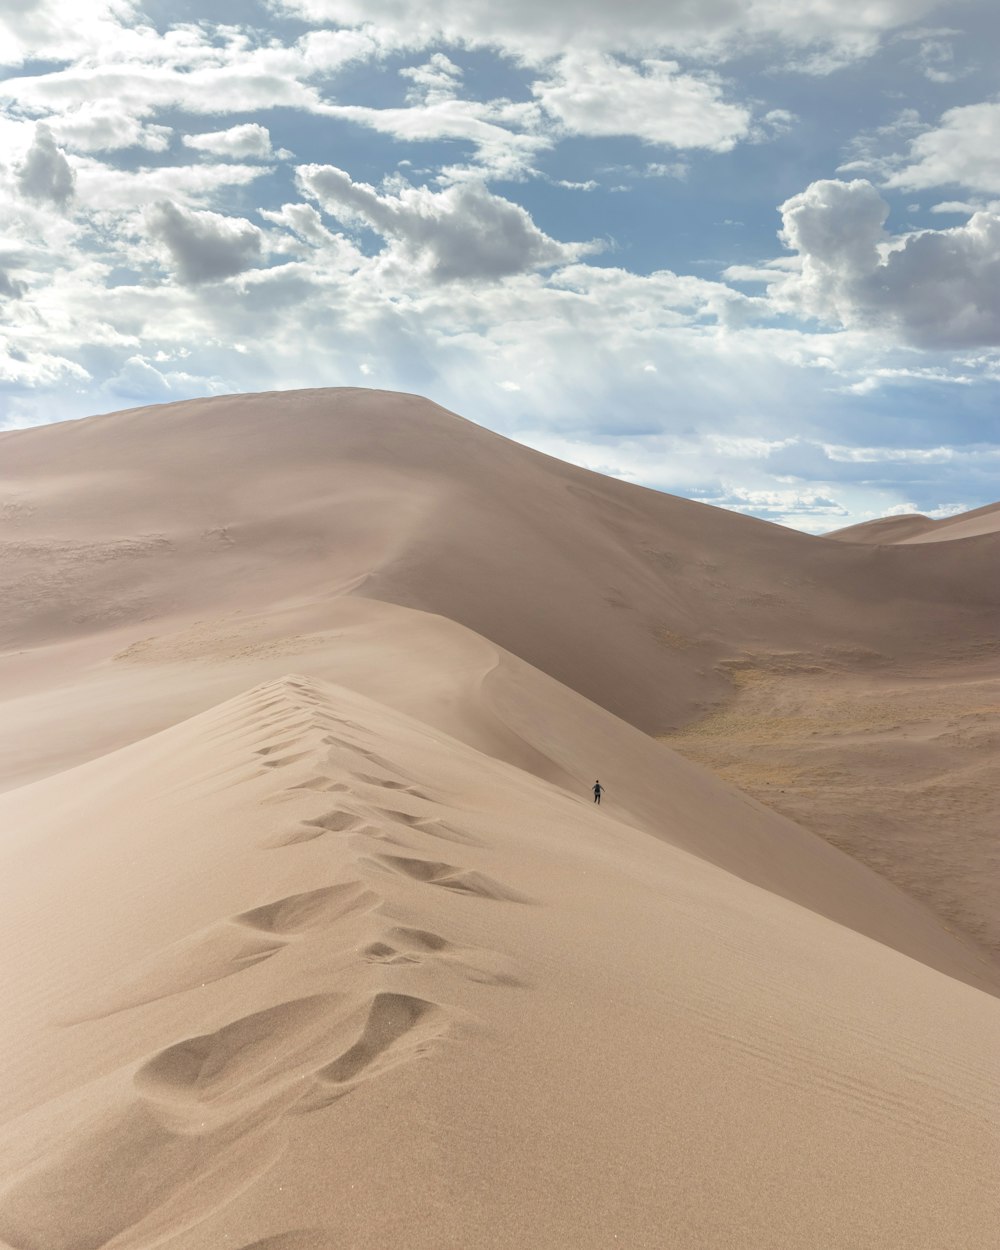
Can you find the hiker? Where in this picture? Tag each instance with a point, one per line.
(598, 791)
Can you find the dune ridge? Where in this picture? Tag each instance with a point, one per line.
(437, 978)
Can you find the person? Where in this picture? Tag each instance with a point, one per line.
(598, 791)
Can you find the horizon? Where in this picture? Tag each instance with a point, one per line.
(747, 257)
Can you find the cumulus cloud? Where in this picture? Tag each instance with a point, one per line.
(599, 95)
(247, 140)
(931, 288)
(204, 246)
(45, 174)
(463, 233)
(964, 150)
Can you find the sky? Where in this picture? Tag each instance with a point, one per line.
(745, 251)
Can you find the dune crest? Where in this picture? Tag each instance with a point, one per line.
(384, 1001)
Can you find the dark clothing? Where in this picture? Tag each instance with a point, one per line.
(598, 791)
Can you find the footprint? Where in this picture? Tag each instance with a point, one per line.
(380, 781)
(461, 881)
(325, 785)
(401, 818)
(331, 822)
(284, 760)
(418, 939)
(279, 746)
(401, 786)
(411, 946)
(430, 825)
(393, 1027)
(310, 910)
(253, 1051)
(383, 953)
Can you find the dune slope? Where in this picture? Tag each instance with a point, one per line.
(305, 972)
(627, 595)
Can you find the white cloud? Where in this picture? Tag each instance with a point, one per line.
(838, 32)
(10, 288)
(506, 136)
(932, 289)
(964, 150)
(599, 95)
(198, 68)
(464, 232)
(247, 140)
(45, 173)
(139, 379)
(104, 189)
(438, 79)
(101, 126)
(889, 455)
(44, 29)
(204, 246)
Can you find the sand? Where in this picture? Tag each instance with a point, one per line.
(313, 937)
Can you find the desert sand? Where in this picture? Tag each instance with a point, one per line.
(312, 934)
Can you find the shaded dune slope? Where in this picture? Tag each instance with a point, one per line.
(624, 594)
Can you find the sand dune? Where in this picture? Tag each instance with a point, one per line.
(915, 528)
(162, 560)
(314, 938)
(400, 1063)
(212, 506)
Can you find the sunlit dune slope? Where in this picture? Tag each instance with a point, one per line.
(915, 528)
(306, 972)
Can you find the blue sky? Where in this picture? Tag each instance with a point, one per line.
(745, 250)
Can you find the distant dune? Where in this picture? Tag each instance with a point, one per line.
(915, 528)
(315, 937)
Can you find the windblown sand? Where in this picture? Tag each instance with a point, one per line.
(313, 937)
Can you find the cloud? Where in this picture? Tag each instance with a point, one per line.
(45, 173)
(932, 288)
(138, 379)
(838, 32)
(438, 79)
(463, 233)
(655, 102)
(506, 136)
(10, 288)
(964, 150)
(43, 29)
(104, 189)
(204, 246)
(101, 126)
(247, 140)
